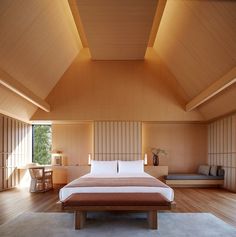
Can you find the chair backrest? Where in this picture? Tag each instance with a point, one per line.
(36, 172)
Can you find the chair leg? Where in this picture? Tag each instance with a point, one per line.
(33, 185)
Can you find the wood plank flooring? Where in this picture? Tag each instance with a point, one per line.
(216, 201)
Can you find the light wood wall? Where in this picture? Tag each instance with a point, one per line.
(185, 143)
(15, 149)
(74, 140)
(222, 148)
(117, 90)
(117, 140)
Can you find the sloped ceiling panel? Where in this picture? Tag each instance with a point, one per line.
(117, 30)
(196, 39)
(38, 41)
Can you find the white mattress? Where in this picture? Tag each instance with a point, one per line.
(166, 192)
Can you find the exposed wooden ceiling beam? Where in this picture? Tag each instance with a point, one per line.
(215, 88)
(156, 22)
(78, 23)
(15, 86)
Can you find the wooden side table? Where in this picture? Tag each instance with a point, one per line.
(157, 171)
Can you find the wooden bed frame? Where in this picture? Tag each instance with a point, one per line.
(145, 202)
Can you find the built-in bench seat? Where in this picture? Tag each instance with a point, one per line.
(202, 179)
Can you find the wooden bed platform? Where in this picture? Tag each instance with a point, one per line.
(145, 202)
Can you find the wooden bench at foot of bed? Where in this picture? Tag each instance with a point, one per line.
(81, 203)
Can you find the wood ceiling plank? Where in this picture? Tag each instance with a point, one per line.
(215, 88)
(157, 20)
(78, 23)
(15, 86)
(196, 40)
(38, 42)
(117, 30)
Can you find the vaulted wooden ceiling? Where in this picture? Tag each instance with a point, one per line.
(195, 39)
(38, 42)
(117, 30)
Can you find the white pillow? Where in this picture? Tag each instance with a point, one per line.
(136, 166)
(103, 167)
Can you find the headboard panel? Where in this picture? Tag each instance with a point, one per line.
(117, 140)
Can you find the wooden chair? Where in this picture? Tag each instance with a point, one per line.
(41, 179)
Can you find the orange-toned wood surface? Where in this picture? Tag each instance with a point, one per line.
(216, 201)
(185, 144)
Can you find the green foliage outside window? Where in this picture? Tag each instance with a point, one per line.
(42, 144)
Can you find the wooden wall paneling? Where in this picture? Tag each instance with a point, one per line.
(233, 178)
(213, 144)
(13, 145)
(223, 132)
(29, 151)
(229, 134)
(9, 153)
(1, 152)
(74, 140)
(5, 152)
(1, 136)
(234, 149)
(186, 144)
(217, 142)
(227, 177)
(208, 145)
(221, 141)
(225, 141)
(17, 143)
(12, 153)
(25, 143)
(22, 144)
(124, 144)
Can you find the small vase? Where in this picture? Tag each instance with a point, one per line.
(155, 160)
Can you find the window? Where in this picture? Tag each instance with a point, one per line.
(42, 144)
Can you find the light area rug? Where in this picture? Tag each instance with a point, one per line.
(31, 224)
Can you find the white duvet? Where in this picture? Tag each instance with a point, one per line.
(166, 192)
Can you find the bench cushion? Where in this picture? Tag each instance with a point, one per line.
(116, 199)
(192, 177)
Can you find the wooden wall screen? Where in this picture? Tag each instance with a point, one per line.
(222, 148)
(117, 140)
(15, 150)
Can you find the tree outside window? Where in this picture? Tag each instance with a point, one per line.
(42, 144)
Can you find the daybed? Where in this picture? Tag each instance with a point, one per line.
(207, 176)
(113, 191)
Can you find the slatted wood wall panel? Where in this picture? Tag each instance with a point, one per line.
(15, 149)
(117, 140)
(222, 148)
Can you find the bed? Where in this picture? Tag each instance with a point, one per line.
(113, 191)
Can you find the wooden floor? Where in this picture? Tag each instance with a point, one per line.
(216, 201)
